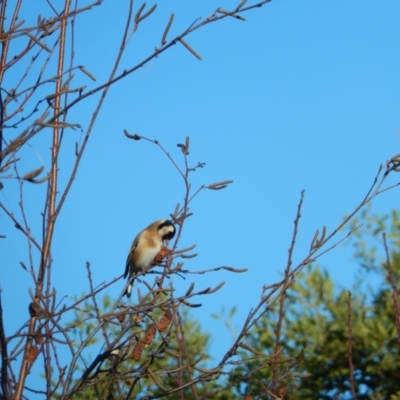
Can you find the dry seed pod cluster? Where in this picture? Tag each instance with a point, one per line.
(164, 252)
(164, 321)
(150, 333)
(32, 354)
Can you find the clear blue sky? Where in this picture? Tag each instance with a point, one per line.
(303, 95)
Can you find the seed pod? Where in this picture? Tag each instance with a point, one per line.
(149, 335)
(164, 321)
(32, 354)
(137, 351)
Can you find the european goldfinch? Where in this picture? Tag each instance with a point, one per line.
(145, 247)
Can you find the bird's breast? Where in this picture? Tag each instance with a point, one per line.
(148, 256)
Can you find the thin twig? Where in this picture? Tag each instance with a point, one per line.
(350, 347)
(392, 280)
(18, 226)
(281, 314)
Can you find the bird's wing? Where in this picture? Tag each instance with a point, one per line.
(128, 264)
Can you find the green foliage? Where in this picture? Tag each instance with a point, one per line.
(315, 327)
(367, 240)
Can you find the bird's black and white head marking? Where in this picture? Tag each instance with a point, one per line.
(166, 230)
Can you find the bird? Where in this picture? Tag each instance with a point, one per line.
(145, 248)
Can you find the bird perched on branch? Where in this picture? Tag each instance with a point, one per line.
(145, 247)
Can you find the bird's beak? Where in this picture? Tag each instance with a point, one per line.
(166, 241)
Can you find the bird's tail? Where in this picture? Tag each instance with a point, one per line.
(128, 290)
